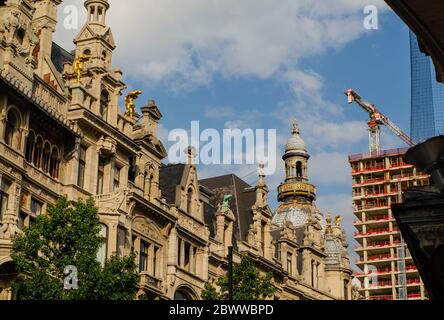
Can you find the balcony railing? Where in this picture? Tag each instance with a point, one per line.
(377, 245)
(381, 284)
(401, 176)
(371, 207)
(369, 169)
(414, 281)
(368, 181)
(399, 165)
(147, 280)
(376, 231)
(50, 96)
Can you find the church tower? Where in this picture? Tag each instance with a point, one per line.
(296, 194)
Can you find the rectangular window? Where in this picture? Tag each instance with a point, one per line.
(82, 164)
(100, 175)
(22, 220)
(143, 256)
(187, 256)
(116, 184)
(3, 198)
(36, 207)
(179, 251)
(290, 263)
(277, 251)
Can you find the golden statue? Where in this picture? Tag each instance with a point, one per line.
(338, 221)
(79, 65)
(129, 103)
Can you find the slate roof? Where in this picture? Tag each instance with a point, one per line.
(59, 56)
(170, 177)
(244, 198)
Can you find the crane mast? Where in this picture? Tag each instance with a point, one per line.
(376, 120)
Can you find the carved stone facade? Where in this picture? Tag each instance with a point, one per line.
(62, 132)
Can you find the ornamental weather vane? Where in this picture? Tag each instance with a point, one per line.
(129, 103)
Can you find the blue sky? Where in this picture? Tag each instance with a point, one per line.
(259, 64)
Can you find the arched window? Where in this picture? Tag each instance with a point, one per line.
(183, 293)
(104, 103)
(299, 173)
(101, 254)
(190, 200)
(38, 152)
(30, 146)
(55, 163)
(46, 157)
(11, 128)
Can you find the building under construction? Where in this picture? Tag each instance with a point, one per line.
(379, 179)
(388, 270)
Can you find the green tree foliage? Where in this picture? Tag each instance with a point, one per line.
(69, 236)
(248, 284)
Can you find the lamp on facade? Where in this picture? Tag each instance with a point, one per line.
(429, 157)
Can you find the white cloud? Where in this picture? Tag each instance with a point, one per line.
(186, 43)
(330, 169)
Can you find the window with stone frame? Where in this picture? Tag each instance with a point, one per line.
(82, 167)
(116, 183)
(100, 175)
(31, 209)
(4, 197)
(187, 254)
(103, 250)
(12, 129)
(143, 256)
(289, 263)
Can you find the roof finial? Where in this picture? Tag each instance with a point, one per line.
(191, 155)
(261, 173)
(328, 230)
(295, 127)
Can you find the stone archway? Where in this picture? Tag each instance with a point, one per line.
(8, 274)
(185, 293)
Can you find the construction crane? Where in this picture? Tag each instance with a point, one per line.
(376, 120)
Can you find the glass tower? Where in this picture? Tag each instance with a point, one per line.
(427, 114)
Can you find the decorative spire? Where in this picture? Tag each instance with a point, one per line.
(191, 154)
(295, 129)
(328, 229)
(261, 173)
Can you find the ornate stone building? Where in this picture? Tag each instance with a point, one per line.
(62, 132)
